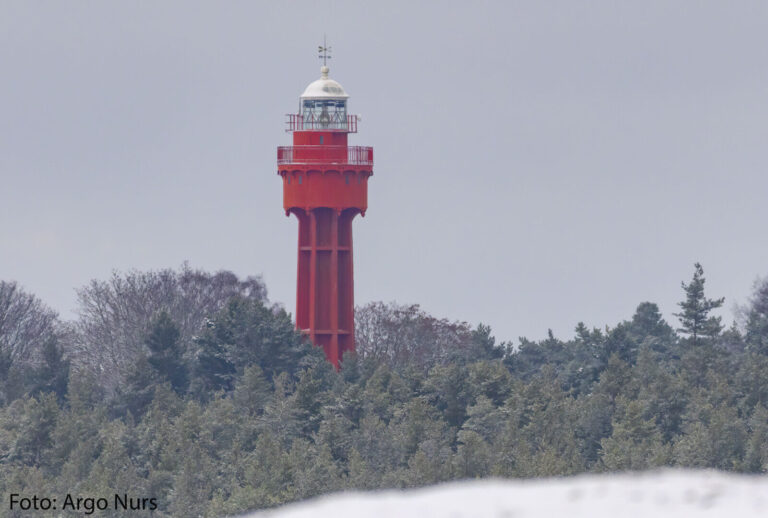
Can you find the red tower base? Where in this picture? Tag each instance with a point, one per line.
(325, 292)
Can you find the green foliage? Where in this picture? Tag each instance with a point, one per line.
(252, 391)
(256, 417)
(165, 352)
(247, 332)
(635, 442)
(53, 373)
(140, 386)
(449, 390)
(485, 343)
(756, 335)
(695, 319)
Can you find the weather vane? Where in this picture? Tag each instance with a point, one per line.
(324, 52)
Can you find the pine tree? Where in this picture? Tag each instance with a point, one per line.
(53, 374)
(139, 389)
(694, 317)
(757, 320)
(485, 343)
(312, 394)
(649, 329)
(244, 333)
(473, 456)
(484, 419)
(35, 430)
(449, 388)
(756, 456)
(252, 391)
(593, 423)
(633, 440)
(490, 379)
(165, 352)
(282, 418)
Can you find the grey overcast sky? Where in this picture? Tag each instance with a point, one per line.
(537, 163)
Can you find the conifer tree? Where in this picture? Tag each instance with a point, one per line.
(756, 456)
(634, 437)
(35, 430)
(757, 320)
(694, 318)
(485, 343)
(252, 391)
(648, 328)
(165, 352)
(53, 374)
(139, 389)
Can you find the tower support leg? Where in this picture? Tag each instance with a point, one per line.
(325, 288)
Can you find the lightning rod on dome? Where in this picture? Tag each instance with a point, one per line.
(324, 52)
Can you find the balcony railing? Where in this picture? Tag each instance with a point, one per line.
(297, 122)
(350, 155)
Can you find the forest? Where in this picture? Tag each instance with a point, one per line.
(190, 388)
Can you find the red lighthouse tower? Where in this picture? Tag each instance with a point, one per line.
(325, 184)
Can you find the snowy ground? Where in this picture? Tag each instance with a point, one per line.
(663, 494)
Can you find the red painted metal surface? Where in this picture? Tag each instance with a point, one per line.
(325, 184)
(352, 155)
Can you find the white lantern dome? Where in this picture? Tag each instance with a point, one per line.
(324, 88)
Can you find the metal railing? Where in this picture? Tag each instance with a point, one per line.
(351, 155)
(297, 122)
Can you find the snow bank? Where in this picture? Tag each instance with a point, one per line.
(663, 494)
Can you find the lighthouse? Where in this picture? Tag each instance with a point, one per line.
(325, 185)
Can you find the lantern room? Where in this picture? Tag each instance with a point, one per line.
(324, 104)
(323, 107)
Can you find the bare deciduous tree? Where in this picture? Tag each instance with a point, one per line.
(401, 335)
(26, 324)
(115, 315)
